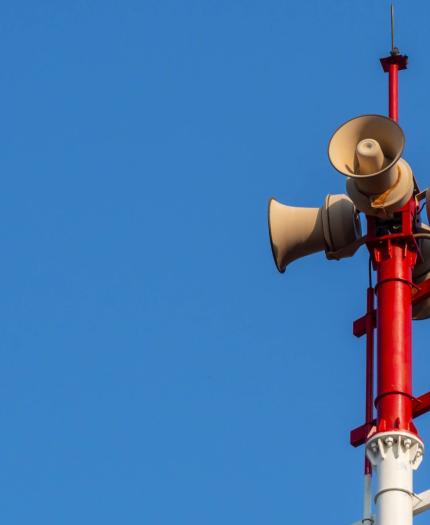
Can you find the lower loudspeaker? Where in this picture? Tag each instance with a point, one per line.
(428, 204)
(294, 232)
(342, 227)
(421, 273)
(297, 232)
(386, 203)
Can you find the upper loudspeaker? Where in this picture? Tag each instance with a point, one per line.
(367, 149)
(297, 232)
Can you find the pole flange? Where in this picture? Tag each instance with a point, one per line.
(403, 445)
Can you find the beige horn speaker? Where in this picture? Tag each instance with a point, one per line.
(342, 227)
(294, 232)
(428, 203)
(297, 232)
(421, 273)
(368, 149)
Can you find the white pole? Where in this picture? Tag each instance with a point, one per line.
(394, 455)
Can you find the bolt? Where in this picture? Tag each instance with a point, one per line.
(407, 443)
(389, 441)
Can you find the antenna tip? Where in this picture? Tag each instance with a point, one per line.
(394, 50)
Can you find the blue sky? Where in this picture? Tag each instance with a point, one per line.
(154, 367)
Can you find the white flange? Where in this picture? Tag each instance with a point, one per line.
(394, 455)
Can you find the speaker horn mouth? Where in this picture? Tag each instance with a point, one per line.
(342, 150)
(272, 246)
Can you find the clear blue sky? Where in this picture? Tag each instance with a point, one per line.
(154, 367)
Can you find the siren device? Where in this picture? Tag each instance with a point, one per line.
(297, 232)
(367, 150)
(421, 274)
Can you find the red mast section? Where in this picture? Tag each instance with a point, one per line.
(393, 252)
(394, 259)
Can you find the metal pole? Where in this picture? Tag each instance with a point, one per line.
(393, 92)
(395, 450)
(394, 322)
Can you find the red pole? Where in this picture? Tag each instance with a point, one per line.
(392, 65)
(369, 367)
(394, 261)
(394, 320)
(393, 92)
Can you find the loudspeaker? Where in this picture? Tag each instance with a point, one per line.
(422, 273)
(428, 203)
(367, 149)
(297, 232)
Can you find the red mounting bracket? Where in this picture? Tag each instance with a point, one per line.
(401, 61)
